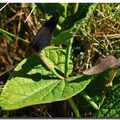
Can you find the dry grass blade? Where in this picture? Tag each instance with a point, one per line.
(4, 6)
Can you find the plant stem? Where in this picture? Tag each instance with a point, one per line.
(3, 31)
(71, 102)
(67, 60)
(73, 106)
(102, 100)
(69, 46)
(89, 100)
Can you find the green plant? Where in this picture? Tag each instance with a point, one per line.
(34, 82)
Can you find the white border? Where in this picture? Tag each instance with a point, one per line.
(60, 1)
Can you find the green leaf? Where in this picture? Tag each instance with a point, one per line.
(57, 56)
(32, 83)
(67, 34)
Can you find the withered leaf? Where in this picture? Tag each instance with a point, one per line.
(106, 63)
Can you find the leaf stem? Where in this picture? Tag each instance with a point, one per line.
(69, 46)
(71, 102)
(3, 31)
(89, 100)
(73, 106)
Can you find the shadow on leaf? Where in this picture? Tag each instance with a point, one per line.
(80, 79)
(32, 62)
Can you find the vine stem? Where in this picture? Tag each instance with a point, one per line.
(73, 106)
(89, 100)
(67, 60)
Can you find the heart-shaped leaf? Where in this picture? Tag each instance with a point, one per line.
(31, 83)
